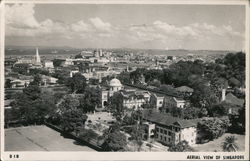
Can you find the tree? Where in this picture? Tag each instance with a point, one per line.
(238, 121)
(147, 106)
(88, 134)
(69, 101)
(181, 147)
(220, 109)
(203, 97)
(230, 145)
(135, 76)
(212, 128)
(128, 120)
(90, 99)
(32, 92)
(32, 106)
(62, 76)
(137, 135)
(155, 83)
(116, 106)
(191, 113)
(73, 120)
(78, 56)
(114, 140)
(7, 83)
(77, 83)
(167, 89)
(124, 77)
(178, 73)
(176, 112)
(57, 62)
(37, 80)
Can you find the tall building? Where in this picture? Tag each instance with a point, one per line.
(38, 60)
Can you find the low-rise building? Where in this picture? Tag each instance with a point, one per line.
(156, 100)
(133, 99)
(48, 80)
(48, 64)
(185, 90)
(173, 102)
(167, 129)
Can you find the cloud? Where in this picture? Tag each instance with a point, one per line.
(21, 15)
(21, 21)
(100, 25)
(80, 26)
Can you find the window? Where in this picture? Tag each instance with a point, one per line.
(161, 137)
(160, 102)
(168, 139)
(169, 133)
(157, 129)
(165, 132)
(165, 139)
(161, 130)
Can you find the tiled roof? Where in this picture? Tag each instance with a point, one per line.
(184, 89)
(232, 99)
(167, 119)
(159, 95)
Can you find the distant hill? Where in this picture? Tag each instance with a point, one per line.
(65, 50)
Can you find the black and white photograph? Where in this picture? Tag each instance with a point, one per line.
(125, 77)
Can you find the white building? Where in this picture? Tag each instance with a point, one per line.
(114, 86)
(48, 64)
(157, 100)
(169, 130)
(173, 102)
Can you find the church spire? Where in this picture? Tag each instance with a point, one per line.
(38, 60)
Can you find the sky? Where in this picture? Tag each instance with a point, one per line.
(146, 26)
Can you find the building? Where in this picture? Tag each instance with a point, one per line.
(48, 80)
(21, 82)
(157, 100)
(173, 102)
(107, 92)
(48, 64)
(134, 99)
(185, 90)
(38, 59)
(35, 62)
(9, 62)
(131, 99)
(167, 129)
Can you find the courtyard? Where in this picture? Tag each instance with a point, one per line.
(40, 138)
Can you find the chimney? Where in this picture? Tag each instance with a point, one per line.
(223, 96)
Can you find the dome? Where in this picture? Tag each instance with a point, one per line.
(115, 83)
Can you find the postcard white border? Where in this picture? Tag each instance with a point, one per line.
(32, 155)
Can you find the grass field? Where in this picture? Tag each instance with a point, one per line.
(39, 138)
(215, 145)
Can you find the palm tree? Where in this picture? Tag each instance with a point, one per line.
(230, 145)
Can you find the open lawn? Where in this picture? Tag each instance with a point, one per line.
(215, 145)
(39, 138)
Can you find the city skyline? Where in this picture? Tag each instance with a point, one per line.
(199, 27)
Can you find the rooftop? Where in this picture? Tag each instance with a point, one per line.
(232, 99)
(184, 89)
(167, 119)
(115, 83)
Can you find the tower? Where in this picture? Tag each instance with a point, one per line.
(38, 60)
(100, 53)
(223, 96)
